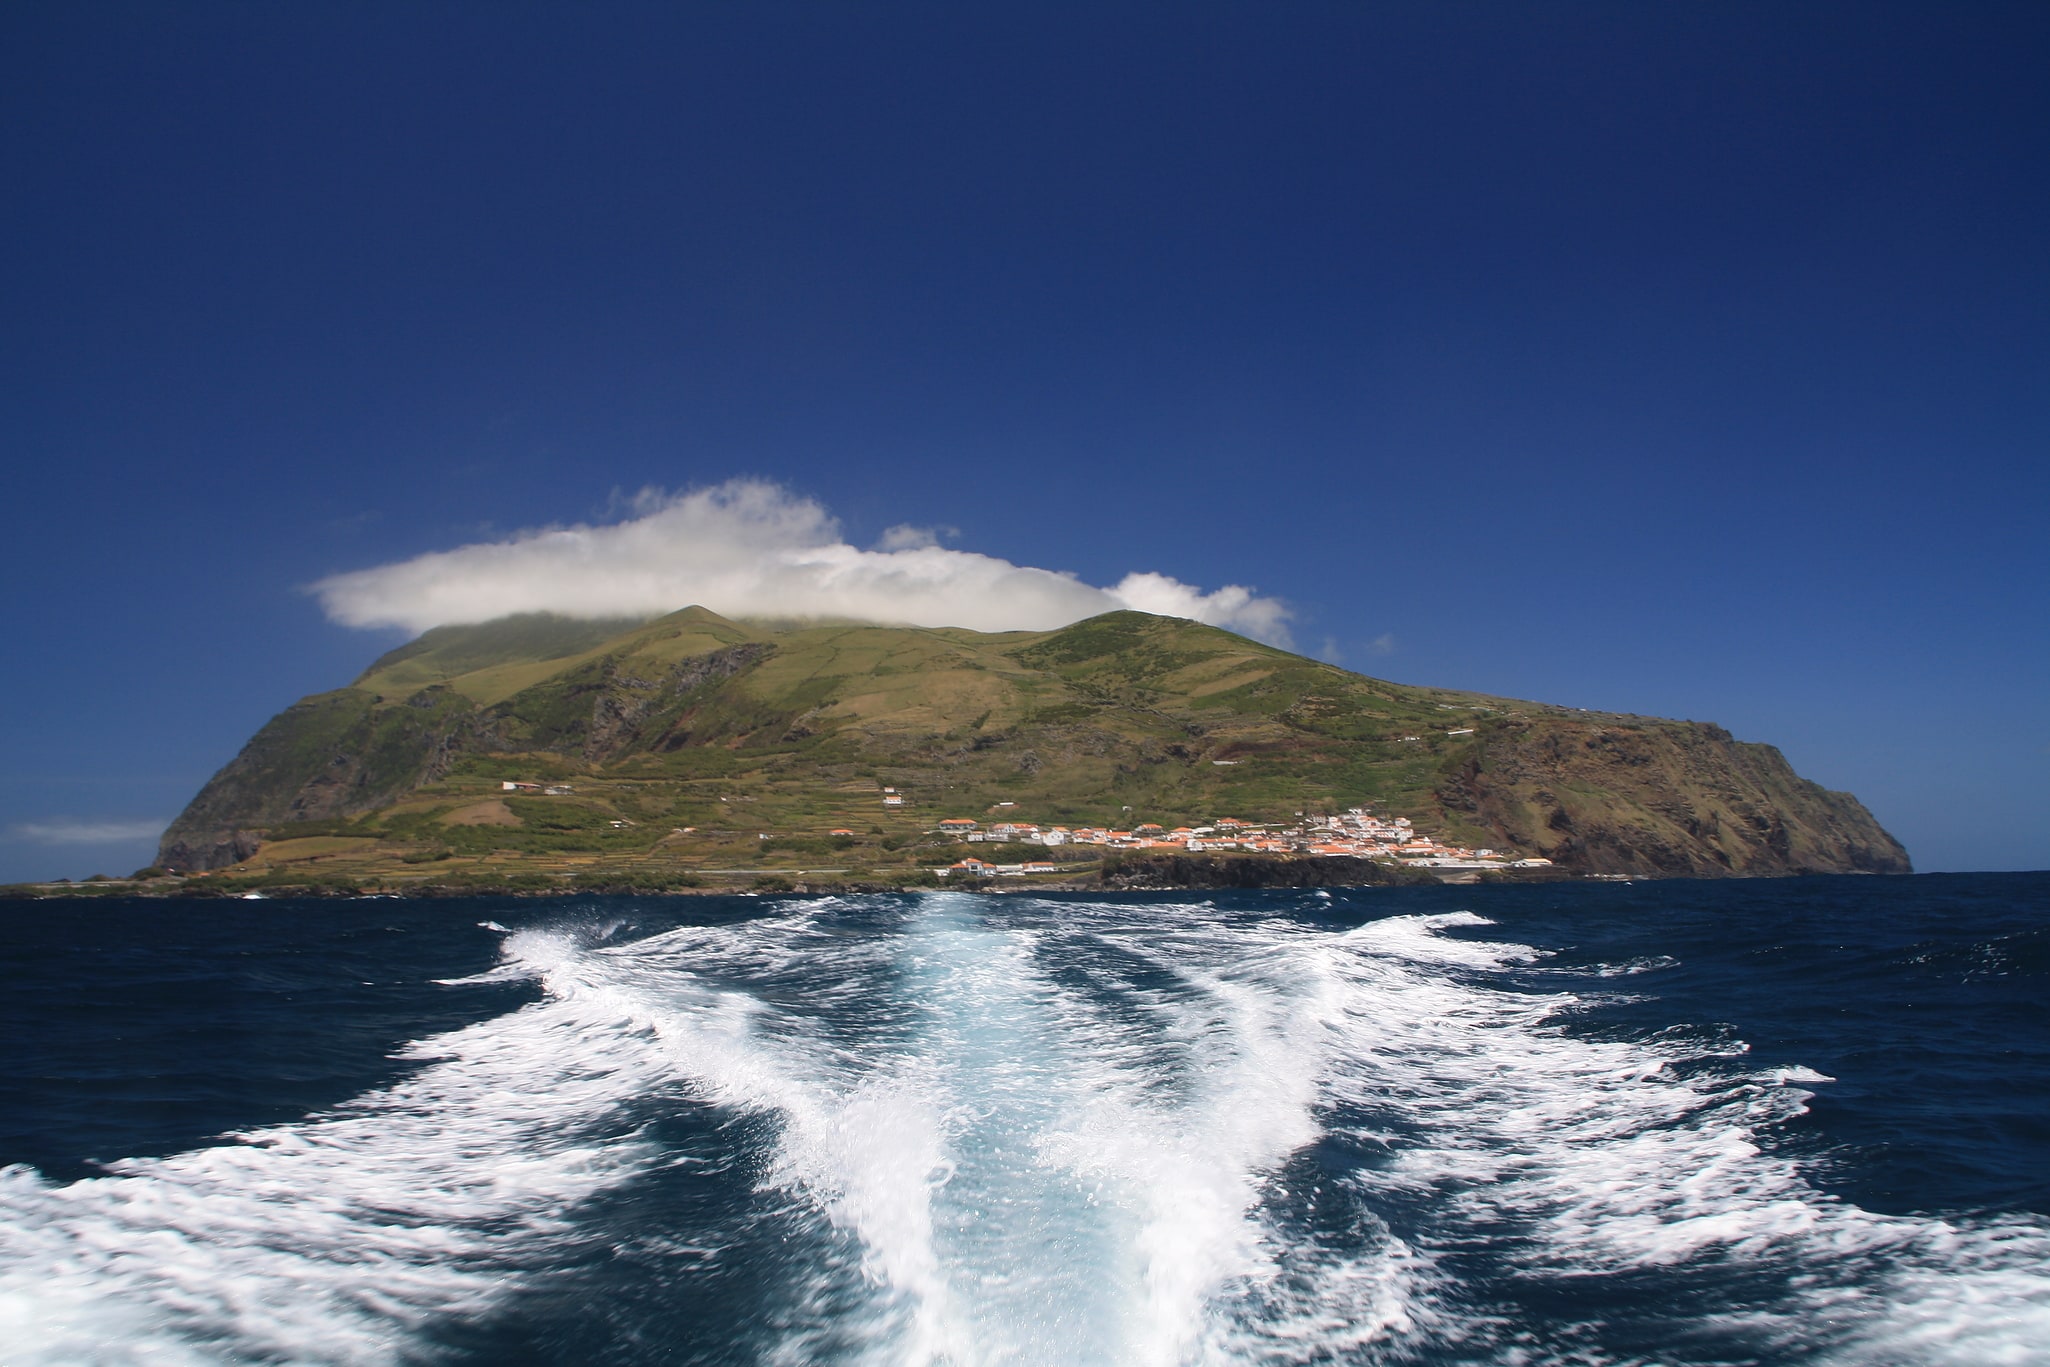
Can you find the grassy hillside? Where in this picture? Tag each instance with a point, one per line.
(694, 745)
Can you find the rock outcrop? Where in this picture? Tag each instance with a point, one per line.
(1658, 798)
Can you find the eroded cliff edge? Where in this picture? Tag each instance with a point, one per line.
(1681, 799)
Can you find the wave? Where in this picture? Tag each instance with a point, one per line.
(338, 1238)
(1048, 1132)
(1035, 1171)
(1577, 1159)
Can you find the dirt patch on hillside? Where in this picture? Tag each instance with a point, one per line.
(492, 813)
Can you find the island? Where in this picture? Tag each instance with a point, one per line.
(540, 753)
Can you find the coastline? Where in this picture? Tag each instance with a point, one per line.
(1193, 872)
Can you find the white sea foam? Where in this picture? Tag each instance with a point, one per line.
(1151, 1127)
(336, 1239)
(858, 1134)
(1047, 1173)
(1076, 1135)
(1159, 1100)
(1598, 1156)
(1037, 1173)
(1192, 1164)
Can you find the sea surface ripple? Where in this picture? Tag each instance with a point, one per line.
(1804, 1121)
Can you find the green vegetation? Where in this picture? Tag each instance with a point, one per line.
(693, 750)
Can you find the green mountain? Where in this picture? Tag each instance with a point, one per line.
(694, 745)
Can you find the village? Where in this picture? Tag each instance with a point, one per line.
(1354, 833)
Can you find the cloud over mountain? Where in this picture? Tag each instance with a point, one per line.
(749, 548)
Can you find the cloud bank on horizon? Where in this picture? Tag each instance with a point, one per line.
(750, 548)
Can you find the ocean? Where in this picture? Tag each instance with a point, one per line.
(1794, 1121)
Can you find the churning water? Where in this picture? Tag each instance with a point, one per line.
(1677, 1123)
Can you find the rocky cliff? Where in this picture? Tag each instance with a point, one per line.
(1672, 798)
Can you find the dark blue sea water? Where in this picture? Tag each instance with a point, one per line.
(1804, 1121)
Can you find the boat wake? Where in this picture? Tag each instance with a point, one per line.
(1036, 1132)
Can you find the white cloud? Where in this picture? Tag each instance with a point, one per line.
(906, 537)
(749, 548)
(66, 832)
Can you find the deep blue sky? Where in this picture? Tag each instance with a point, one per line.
(1680, 359)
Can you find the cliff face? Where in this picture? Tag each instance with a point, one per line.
(332, 755)
(1669, 798)
(1109, 722)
